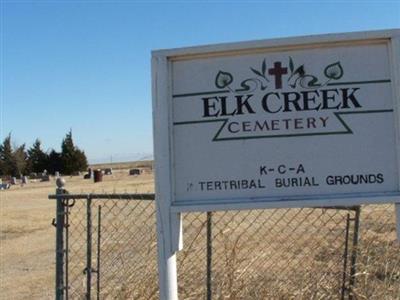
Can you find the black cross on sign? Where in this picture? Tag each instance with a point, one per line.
(277, 71)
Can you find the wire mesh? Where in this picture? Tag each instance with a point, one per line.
(256, 254)
(267, 254)
(378, 255)
(123, 251)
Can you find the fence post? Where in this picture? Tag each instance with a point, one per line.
(346, 248)
(397, 209)
(88, 247)
(98, 251)
(209, 255)
(352, 280)
(60, 239)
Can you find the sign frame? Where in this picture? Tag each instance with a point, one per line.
(169, 225)
(163, 134)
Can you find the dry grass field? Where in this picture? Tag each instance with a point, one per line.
(125, 165)
(259, 254)
(27, 237)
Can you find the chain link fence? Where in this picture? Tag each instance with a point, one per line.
(110, 252)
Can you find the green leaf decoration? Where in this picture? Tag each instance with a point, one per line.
(257, 72)
(264, 67)
(223, 79)
(245, 86)
(291, 65)
(251, 84)
(334, 71)
(309, 81)
(300, 71)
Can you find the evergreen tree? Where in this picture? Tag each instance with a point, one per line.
(6, 156)
(37, 158)
(54, 162)
(16, 161)
(20, 159)
(81, 160)
(73, 159)
(12, 162)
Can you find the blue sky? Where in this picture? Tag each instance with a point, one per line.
(85, 65)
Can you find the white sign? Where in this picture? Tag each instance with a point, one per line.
(310, 121)
(285, 120)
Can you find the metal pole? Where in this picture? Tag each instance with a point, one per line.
(66, 249)
(397, 209)
(209, 255)
(168, 222)
(98, 250)
(167, 247)
(60, 242)
(88, 247)
(352, 279)
(346, 247)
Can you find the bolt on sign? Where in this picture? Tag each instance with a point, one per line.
(293, 122)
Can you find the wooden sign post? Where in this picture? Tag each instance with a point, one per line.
(293, 122)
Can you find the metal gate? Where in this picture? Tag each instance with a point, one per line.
(106, 246)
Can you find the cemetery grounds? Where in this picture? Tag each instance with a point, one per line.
(27, 249)
(270, 254)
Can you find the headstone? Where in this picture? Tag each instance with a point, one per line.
(13, 180)
(4, 186)
(57, 174)
(24, 180)
(89, 175)
(134, 172)
(98, 175)
(45, 178)
(33, 175)
(108, 171)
